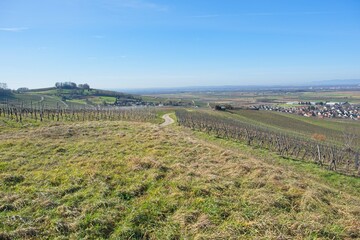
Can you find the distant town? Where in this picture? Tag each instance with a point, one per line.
(316, 109)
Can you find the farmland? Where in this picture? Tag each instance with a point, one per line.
(162, 183)
(281, 97)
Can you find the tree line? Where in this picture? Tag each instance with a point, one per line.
(344, 159)
(71, 85)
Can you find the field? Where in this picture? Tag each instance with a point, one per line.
(129, 180)
(279, 97)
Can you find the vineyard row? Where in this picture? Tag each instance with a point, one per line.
(19, 114)
(341, 159)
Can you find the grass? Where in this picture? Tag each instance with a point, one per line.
(101, 100)
(123, 180)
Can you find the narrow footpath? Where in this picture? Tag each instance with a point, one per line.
(168, 120)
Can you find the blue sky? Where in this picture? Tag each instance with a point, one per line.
(158, 43)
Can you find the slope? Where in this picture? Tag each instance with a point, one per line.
(129, 180)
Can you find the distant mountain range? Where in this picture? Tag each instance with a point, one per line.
(336, 82)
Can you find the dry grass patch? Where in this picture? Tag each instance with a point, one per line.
(136, 180)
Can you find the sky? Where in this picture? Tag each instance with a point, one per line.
(157, 43)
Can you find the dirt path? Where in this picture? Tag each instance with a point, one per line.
(168, 120)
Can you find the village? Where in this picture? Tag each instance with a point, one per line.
(316, 109)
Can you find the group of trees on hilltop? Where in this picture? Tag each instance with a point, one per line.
(71, 85)
(3, 86)
(4, 91)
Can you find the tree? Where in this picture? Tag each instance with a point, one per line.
(65, 85)
(4, 91)
(3, 86)
(22, 89)
(84, 86)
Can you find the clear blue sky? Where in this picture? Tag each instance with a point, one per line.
(158, 43)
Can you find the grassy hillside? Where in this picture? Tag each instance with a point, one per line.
(129, 180)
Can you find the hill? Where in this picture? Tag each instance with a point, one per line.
(132, 180)
(68, 98)
(75, 98)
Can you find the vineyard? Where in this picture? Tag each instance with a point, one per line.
(41, 113)
(343, 159)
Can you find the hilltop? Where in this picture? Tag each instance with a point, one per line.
(132, 180)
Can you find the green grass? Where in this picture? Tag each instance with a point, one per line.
(78, 101)
(125, 180)
(101, 100)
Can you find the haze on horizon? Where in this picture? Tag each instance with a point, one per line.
(158, 43)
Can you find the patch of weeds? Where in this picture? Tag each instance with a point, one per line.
(125, 195)
(26, 233)
(133, 233)
(70, 190)
(7, 207)
(97, 227)
(332, 232)
(202, 192)
(282, 203)
(160, 176)
(184, 188)
(62, 228)
(137, 192)
(13, 180)
(191, 217)
(61, 150)
(5, 236)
